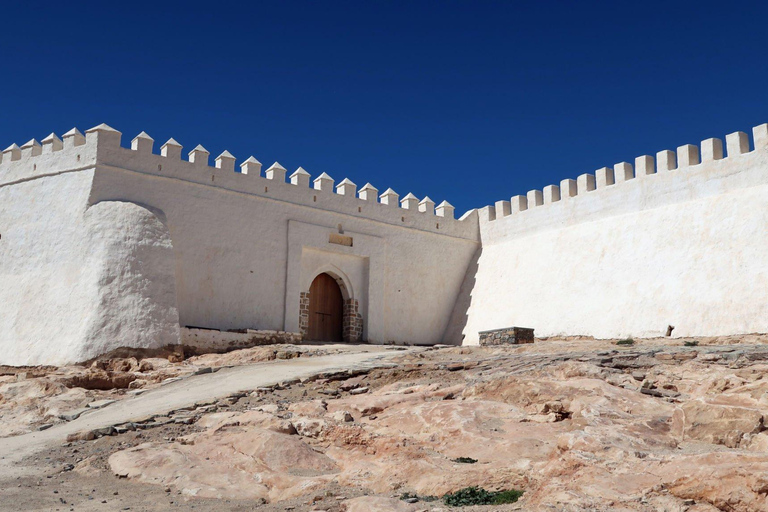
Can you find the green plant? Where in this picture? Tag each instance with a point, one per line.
(411, 495)
(468, 496)
(628, 341)
(464, 460)
(478, 496)
(693, 343)
(510, 496)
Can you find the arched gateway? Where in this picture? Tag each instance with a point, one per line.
(326, 310)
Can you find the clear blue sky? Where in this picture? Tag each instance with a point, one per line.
(466, 101)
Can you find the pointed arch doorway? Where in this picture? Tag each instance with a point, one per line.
(326, 310)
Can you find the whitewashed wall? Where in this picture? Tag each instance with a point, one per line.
(76, 281)
(47, 297)
(686, 247)
(103, 246)
(247, 246)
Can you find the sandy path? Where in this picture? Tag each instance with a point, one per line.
(184, 393)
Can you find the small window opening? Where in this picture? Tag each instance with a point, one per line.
(266, 189)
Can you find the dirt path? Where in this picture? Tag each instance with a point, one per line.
(184, 393)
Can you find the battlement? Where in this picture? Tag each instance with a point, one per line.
(683, 171)
(53, 155)
(111, 245)
(103, 145)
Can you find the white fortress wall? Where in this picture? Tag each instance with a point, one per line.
(103, 246)
(58, 262)
(632, 249)
(246, 245)
(46, 296)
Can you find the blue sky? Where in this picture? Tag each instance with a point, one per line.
(466, 101)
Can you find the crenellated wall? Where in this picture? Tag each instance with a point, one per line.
(76, 281)
(245, 245)
(320, 193)
(103, 246)
(678, 239)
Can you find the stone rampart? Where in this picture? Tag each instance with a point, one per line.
(678, 240)
(226, 250)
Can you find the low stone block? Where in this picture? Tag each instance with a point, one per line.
(506, 336)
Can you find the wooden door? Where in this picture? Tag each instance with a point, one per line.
(326, 309)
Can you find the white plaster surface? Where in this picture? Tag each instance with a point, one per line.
(47, 294)
(246, 247)
(233, 255)
(136, 289)
(74, 283)
(685, 248)
(103, 246)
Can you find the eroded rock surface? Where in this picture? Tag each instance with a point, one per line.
(31, 397)
(577, 425)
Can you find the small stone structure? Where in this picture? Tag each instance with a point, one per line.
(203, 341)
(506, 336)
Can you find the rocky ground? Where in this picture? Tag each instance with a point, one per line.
(576, 424)
(39, 397)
